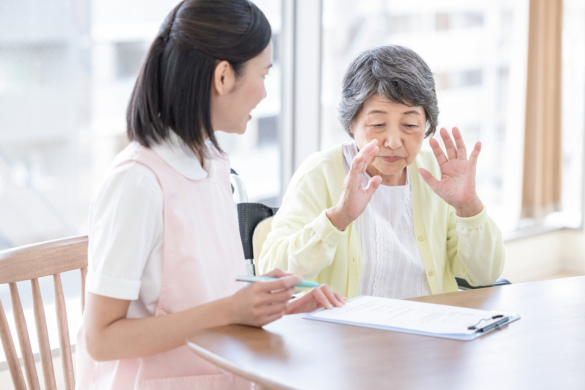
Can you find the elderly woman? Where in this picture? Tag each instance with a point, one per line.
(378, 216)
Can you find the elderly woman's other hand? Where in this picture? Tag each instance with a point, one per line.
(457, 184)
(354, 197)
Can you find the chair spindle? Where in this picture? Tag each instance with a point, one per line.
(10, 352)
(43, 337)
(30, 368)
(64, 334)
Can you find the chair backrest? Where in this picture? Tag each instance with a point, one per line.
(463, 284)
(32, 262)
(249, 216)
(259, 236)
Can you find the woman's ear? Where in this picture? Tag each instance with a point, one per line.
(224, 78)
(350, 129)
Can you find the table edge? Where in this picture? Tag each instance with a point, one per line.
(232, 368)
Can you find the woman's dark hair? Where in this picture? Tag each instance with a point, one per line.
(173, 89)
(395, 72)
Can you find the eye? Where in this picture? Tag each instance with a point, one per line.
(378, 125)
(410, 126)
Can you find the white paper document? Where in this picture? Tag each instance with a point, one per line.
(415, 317)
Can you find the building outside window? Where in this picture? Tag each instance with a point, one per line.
(477, 51)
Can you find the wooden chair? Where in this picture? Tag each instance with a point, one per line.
(32, 262)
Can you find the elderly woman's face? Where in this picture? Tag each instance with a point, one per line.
(400, 131)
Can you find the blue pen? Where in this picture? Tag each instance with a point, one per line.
(252, 279)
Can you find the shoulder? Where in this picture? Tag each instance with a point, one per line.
(128, 182)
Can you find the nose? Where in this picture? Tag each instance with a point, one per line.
(393, 139)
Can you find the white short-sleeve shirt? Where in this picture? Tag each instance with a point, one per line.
(126, 228)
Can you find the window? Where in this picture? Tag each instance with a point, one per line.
(128, 57)
(67, 70)
(475, 50)
(256, 155)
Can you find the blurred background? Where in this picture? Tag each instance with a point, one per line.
(67, 68)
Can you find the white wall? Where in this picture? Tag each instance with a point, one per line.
(545, 255)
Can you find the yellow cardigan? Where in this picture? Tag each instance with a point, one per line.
(304, 241)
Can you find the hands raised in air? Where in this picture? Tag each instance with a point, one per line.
(457, 183)
(354, 197)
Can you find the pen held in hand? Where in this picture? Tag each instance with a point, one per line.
(253, 279)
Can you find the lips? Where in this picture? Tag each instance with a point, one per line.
(391, 159)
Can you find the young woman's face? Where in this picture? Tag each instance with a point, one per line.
(231, 111)
(400, 131)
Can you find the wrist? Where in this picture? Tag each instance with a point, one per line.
(470, 210)
(337, 218)
(229, 315)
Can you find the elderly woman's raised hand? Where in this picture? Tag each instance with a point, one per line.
(355, 198)
(457, 184)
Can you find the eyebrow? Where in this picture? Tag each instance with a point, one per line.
(385, 112)
(411, 112)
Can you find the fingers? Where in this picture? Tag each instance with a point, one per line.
(461, 150)
(281, 283)
(321, 298)
(269, 319)
(449, 145)
(363, 158)
(370, 149)
(373, 185)
(429, 178)
(455, 150)
(277, 273)
(475, 154)
(437, 151)
(267, 314)
(331, 295)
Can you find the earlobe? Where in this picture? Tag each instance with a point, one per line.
(223, 78)
(351, 130)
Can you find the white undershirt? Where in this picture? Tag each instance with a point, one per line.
(391, 262)
(126, 228)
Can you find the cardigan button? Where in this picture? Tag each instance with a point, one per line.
(431, 273)
(421, 238)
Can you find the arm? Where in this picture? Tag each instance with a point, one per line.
(109, 335)
(474, 243)
(475, 248)
(315, 214)
(126, 213)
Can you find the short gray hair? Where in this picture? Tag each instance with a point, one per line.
(395, 72)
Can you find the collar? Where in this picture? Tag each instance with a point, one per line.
(182, 159)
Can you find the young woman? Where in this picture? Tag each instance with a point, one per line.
(164, 247)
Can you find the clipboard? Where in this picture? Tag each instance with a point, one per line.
(422, 318)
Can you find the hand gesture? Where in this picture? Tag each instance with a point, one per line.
(316, 298)
(263, 302)
(355, 198)
(457, 184)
